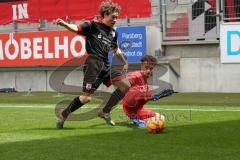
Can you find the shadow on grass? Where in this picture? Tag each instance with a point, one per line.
(98, 126)
(203, 141)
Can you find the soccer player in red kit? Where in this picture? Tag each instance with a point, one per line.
(138, 94)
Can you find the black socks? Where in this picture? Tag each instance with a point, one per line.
(116, 96)
(73, 106)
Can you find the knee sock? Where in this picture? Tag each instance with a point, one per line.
(116, 96)
(73, 106)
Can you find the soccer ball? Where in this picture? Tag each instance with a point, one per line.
(156, 125)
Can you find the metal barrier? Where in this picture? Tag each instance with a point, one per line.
(193, 20)
(204, 20)
(175, 20)
(231, 10)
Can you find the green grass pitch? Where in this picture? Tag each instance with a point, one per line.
(199, 126)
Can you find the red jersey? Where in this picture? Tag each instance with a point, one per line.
(135, 97)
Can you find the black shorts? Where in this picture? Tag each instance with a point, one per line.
(96, 72)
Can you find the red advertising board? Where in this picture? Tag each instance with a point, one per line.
(33, 10)
(51, 48)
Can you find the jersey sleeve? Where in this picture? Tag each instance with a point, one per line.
(135, 98)
(84, 28)
(143, 97)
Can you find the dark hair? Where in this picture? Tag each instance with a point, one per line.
(149, 59)
(108, 7)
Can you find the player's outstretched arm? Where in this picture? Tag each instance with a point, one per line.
(70, 27)
(120, 56)
(161, 94)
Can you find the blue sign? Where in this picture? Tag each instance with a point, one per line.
(233, 46)
(132, 42)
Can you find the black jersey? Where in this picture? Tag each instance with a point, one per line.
(100, 39)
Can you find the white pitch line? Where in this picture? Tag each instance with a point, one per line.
(183, 109)
(153, 108)
(27, 106)
(198, 110)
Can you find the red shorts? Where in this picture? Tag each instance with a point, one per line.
(137, 112)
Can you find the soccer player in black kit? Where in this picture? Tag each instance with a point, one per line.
(100, 39)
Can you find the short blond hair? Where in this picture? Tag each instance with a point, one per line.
(108, 7)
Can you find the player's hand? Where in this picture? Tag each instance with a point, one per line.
(163, 93)
(125, 68)
(60, 22)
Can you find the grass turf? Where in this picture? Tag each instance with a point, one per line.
(30, 134)
(202, 99)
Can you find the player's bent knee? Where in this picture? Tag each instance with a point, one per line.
(124, 89)
(85, 99)
(124, 86)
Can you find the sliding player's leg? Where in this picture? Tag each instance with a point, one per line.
(140, 116)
